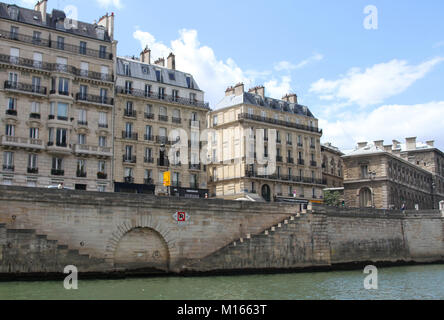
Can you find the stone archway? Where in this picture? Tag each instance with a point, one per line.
(266, 192)
(142, 248)
(365, 198)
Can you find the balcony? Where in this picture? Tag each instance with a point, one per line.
(56, 45)
(301, 162)
(149, 137)
(163, 162)
(194, 123)
(290, 160)
(312, 146)
(130, 135)
(82, 123)
(148, 181)
(279, 159)
(278, 141)
(103, 126)
(176, 184)
(163, 118)
(7, 167)
(246, 116)
(23, 87)
(92, 75)
(129, 159)
(165, 97)
(59, 148)
(176, 120)
(149, 116)
(26, 143)
(148, 160)
(176, 163)
(57, 172)
(102, 176)
(129, 179)
(194, 185)
(33, 170)
(81, 174)
(194, 166)
(94, 99)
(300, 145)
(162, 140)
(86, 150)
(289, 143)
(59, 92)
(35, 116)
(11, 112)
(313, 163)
(286, 178)
(130, 113)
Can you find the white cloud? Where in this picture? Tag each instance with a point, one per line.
(212, 74)
(387, 122)
(285, 65)
(375, 84)
(110, 3)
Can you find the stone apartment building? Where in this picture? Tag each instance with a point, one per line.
(332, 166)
(279, 162)
(376, 175)
(56, 99)
(159, 111)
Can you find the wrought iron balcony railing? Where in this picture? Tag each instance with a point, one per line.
(24, 87)
(55, 44)
(129, 159)
(165, 97)
(94, 99)
(247, 116)
(130, 135)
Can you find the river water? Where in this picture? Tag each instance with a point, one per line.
(410, 282)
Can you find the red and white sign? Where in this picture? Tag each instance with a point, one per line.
(181, 217)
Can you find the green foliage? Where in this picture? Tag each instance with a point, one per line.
(332, 198)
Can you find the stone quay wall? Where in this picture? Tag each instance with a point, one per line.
(43, 230)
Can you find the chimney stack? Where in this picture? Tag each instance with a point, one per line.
(362, 145)
(239, 89)
(171, 61)
(410, 143)
(291, 98)
(229, 91)
(107, 21)
(396, 145)
(145, 55)
(431, 143)
(388, 148)
(160, 62)
(41, 7)
(379, 144)
(259, 90)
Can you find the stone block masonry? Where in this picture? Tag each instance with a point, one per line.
(42, 231)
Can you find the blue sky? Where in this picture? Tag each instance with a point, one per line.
(384, 83)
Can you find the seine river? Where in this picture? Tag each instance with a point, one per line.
(412, 282)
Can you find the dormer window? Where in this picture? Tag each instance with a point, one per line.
(172, 76)
(13, 12)
(126, 69)
(190, 83)
(60, 24)
(100, 31)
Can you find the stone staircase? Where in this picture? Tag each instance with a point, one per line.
(25, 251)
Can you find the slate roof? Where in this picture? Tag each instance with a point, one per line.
(32, 17)
(147, 72)
(271, 103)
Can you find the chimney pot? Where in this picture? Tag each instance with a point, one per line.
(379, 144)
(410, 143)
(388, 148)
(431, 143)
(160, 62)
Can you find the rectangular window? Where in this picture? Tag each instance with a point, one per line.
(61, 140)
(64, 86)
(36, 37)
(82, 116)
(10, 130)
(35, 107)
(12, 104)
(84, 68)
(82, 47)
(103, 120)
(161, 93)
(62, 111)
(147, 90)
(32, 161)
(60, 43)
(8, 161)
(34, 133)
(128, 87)
(83, 92)
(102, 167)
(14, 33)
(38, 60)
(102, 141)
(104, 73)
(102, 52)
(15, 54)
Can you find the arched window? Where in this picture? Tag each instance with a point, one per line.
(365, 198)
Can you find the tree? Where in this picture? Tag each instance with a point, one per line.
(332, 198)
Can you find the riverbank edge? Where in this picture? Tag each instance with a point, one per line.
(118, 275)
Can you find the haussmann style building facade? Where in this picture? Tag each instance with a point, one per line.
(288, 136)
(158, 108)
(56, 99)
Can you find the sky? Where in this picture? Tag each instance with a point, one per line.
(368, 70)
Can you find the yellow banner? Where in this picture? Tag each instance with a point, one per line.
(167, 178)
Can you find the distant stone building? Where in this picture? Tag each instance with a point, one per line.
(56, 99)
(332, 166)
(380, 176)
(249, 128)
